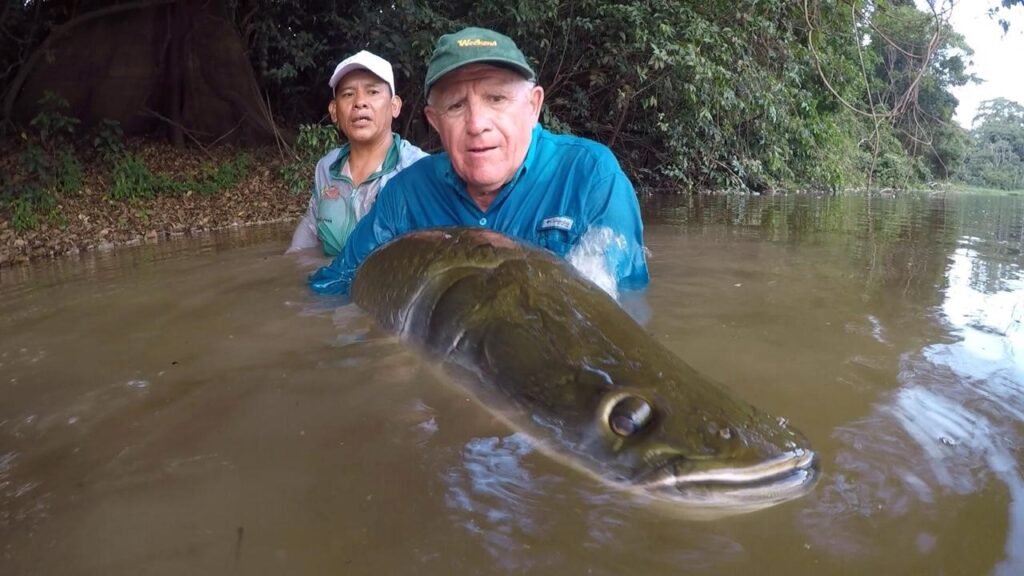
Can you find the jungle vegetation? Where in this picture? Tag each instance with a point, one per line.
(758, 95)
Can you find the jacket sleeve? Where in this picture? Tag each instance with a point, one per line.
(384, 221)
(305, 233)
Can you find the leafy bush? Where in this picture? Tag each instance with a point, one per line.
(31, 205)
(49, 167)
(24, 214)
(109, 140)
(68, 174)
(53, 127)
(131, 179)
(313, 142)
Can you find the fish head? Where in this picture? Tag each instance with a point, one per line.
(688, 441)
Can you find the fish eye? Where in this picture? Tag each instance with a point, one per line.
(629, 415)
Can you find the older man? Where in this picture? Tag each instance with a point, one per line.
(347, 180)
(501, 170)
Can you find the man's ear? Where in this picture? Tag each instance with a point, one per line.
(431, 117)
(332, 110)
(536, 100)
(396, 106)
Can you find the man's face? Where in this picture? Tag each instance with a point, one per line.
(363, 107)
(484, 116)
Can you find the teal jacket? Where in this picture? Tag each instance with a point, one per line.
(336, 205)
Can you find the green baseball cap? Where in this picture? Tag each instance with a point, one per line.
(471, 45)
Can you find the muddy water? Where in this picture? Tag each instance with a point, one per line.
(190, 408)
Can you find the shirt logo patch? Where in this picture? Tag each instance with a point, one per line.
(559, 222)
(331, 193)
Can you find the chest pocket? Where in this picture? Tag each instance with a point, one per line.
(557, 240)
(335, 221)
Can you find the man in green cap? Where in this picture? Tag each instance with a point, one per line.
(501, 170)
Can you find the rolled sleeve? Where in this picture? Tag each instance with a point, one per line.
(626, 259)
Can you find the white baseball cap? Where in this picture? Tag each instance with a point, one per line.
(364, 60)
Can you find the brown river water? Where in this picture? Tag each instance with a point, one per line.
(190, 408)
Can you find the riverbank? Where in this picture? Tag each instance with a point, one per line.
(90, 219)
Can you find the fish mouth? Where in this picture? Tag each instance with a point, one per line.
(734, 487)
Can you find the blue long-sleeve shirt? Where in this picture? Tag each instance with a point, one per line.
(565, 187)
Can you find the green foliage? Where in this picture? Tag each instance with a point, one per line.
(49, 167)
(23, 213)
(712, 95)
(750, 94)
(313, 142)
(109, 140)
(53, 127)
(49, 158)
(997, 157)
(910, 85)
(68, 173)
(213, 179)
(31, 205)
(132, 180)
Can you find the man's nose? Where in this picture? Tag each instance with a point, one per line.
(477, 117)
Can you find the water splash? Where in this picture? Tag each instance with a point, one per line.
(590, 257)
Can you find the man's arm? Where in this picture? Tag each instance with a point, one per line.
(305, 233)
(617, 208)
(384, 221)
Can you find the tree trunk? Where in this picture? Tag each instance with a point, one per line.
(171, 66)
(179, 28)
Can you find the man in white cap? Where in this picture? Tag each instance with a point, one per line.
(347, 179)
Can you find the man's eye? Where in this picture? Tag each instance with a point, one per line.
(374, 91)
(497, 98)
(458, 106)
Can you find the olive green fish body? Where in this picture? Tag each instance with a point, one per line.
(596, 387)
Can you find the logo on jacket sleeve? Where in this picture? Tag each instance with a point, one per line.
(557, 222)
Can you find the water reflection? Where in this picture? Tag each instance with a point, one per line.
(982, 414)
(499, 500)
(960, 407)
(502, 493)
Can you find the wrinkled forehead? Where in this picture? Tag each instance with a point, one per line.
(481, 74)
(361, 77)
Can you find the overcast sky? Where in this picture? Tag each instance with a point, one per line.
(998, 58)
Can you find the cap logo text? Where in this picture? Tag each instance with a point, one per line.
(477, 42)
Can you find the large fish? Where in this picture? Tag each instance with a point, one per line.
(559, 359)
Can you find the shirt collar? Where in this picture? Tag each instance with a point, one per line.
(390, 161)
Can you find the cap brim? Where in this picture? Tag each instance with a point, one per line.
(338, 75)
(501, 62)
